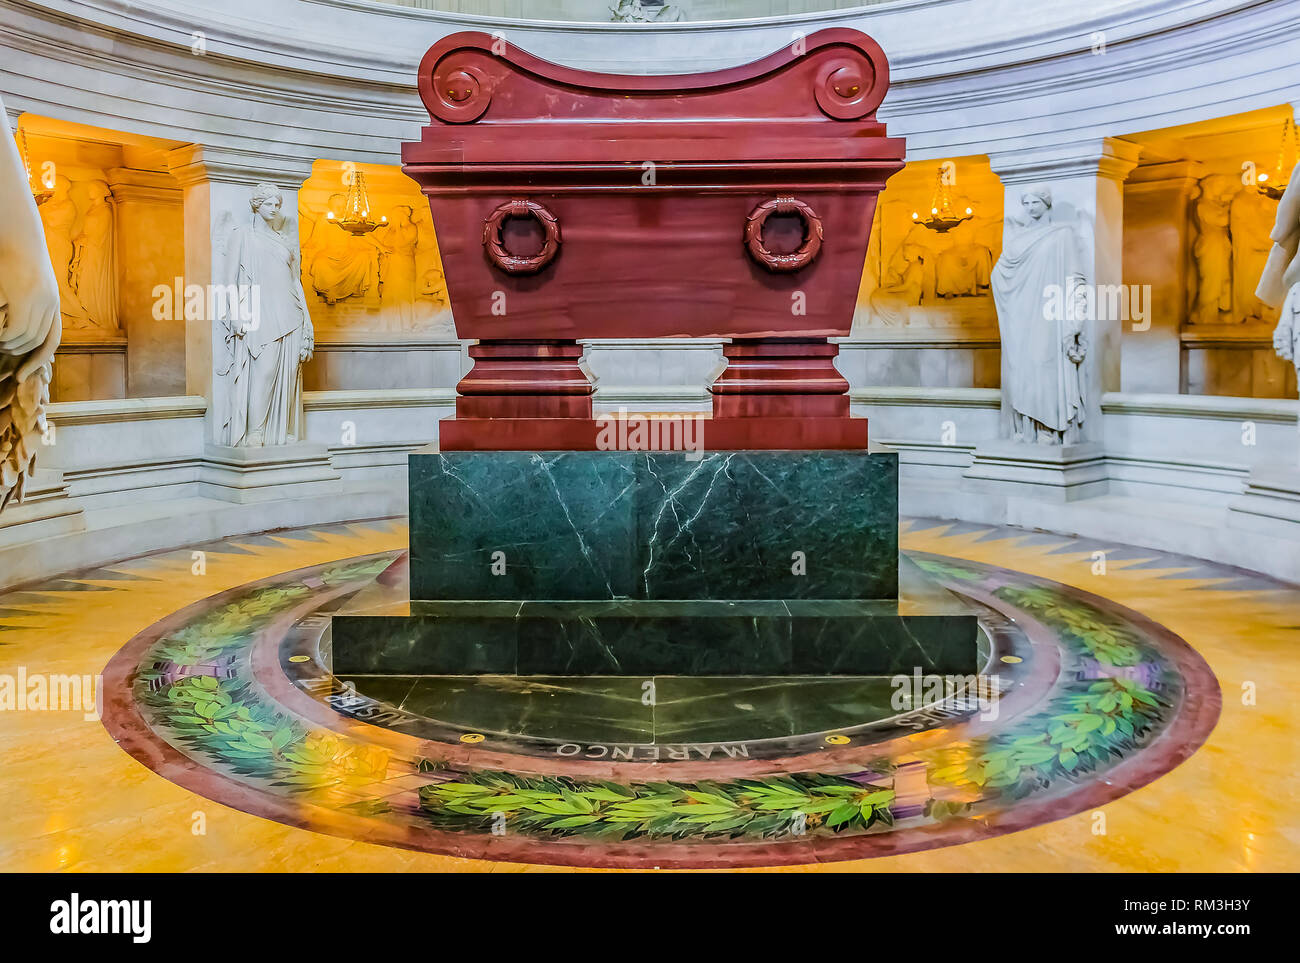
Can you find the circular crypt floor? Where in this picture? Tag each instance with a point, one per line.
(1076, 749)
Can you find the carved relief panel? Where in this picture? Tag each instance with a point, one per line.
(386, 281)
(80, 222)
(924, 278)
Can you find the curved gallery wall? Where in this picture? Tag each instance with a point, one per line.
(1195, 415)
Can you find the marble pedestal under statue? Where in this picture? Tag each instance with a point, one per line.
(642, 563)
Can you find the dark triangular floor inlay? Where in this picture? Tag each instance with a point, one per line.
(298, 535)
(967, 528)
(64, 585)
(264, 540)
(1248, 584)
(927, 524)
(110, 575)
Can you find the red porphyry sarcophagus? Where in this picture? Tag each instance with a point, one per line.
(573, 205)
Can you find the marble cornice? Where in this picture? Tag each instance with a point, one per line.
(127, 409)
(249, 41)
(172, 28)
(1213, 407)
(377, 398)
(1150, 51)
(927, 397)
(131, 184)
(1109, 157)
(1155, 178)
(195, 164)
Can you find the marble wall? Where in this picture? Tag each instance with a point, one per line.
(602, 10)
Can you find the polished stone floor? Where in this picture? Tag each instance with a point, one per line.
(242, 753)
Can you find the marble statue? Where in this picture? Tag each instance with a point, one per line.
(1212, 249)
(59, 218)
(94, 264)
(30, 325)
(645, 11)
(1043, 350)
(342, 266)
(962, 268)
(1279, 285)
(397, 269)
(267, 332)
(1250, 220)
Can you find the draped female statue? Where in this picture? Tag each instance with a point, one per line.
(94, 268)
(266, 330)
(1038, 287)
(59, 218)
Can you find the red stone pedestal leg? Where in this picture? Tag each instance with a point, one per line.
(525, 379)
(522, 395)
(782, 393)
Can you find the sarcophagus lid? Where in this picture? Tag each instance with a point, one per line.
(572, 204)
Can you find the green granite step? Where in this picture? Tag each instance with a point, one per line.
(927, 628)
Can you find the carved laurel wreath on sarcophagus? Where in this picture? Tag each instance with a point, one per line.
(804, 255)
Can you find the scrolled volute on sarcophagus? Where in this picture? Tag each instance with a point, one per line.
(734, 204)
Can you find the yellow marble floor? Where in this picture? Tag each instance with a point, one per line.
(73, 801)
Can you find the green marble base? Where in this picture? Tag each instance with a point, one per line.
(615, 525)
(927, 628)
(583, 563)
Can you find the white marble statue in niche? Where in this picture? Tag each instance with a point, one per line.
(59, 218)
(1279, 285)
(30, 323)
(94, 267)
(1250, 219)
(1039, 289)
(266, 335)
(1211, 296)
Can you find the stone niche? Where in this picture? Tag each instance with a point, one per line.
(378, 301)
(114, 231)
(925, 315)
(1197, 230)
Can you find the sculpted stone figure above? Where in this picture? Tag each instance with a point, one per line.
(266, 331)
(1043, 350)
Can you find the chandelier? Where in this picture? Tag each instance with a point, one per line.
(41, 191)
(355, 218)
(1274, 185)
(943, 217)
